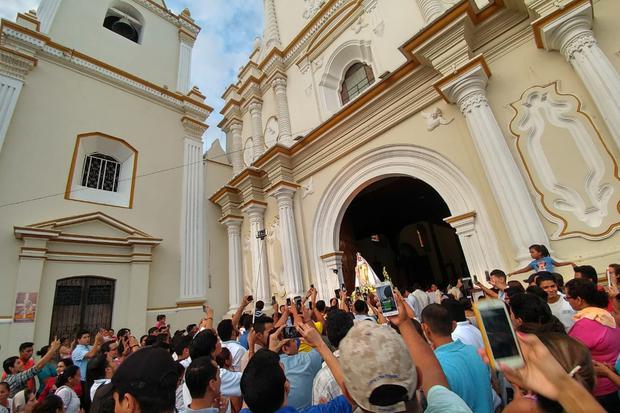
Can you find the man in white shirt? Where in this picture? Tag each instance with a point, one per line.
(464, 331)
(421, 297)
(412, 301)
(325, 387)
(228, 334)
(558, 305)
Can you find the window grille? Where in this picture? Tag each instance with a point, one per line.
(357, 79)
(101, 172)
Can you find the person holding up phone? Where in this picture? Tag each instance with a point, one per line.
(467, 375)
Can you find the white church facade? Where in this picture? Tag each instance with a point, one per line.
(438, 138)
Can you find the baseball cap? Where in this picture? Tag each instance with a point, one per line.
(149, 372)
(378, 371)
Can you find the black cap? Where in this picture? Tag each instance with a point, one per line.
(149, 372)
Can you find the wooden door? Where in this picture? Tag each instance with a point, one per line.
(82, 303)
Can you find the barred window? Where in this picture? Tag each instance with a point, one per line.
(101, 172)
(357, 78)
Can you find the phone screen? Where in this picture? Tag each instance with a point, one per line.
(337, 292)
(386, 299)
(290, 332)
(499, 333)
(466, 283)
(475, 279)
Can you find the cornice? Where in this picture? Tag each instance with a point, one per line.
(43, 47)
(540, 25)
(406, 91)
(181, 20)
(15, 64)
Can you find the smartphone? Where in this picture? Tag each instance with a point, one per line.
(288, 302)
(343, 287)
(298, 303)
(499, 337)
(312, 286)
(385, 294)
(609, 283)
(250, 298)
(337, 292)
(273, 300)
(487, 275)
(466, 283)
(290, 332)
(310, 305)
(475, 279)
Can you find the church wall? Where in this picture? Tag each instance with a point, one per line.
(302, 101)
(216, 241)
(290, 17)
(78, 24)
(511, 78)
(36, 158)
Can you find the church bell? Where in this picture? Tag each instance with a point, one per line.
(124, 27)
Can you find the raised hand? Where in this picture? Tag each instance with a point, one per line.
(401, 317)
(310, 335)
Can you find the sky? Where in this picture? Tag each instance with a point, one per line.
(229, 28)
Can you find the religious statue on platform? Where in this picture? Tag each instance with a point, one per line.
(365, 277)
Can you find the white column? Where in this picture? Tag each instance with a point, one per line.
(271, 32)
(284, 118)
(258, 140)
(571, 34)
(236, 154)
(192, 283)
(46, 12)
(516, 206)
(260, 270)
(431, 9)
(235, 262)
(10, 89)
(291, 262)
(185, 66)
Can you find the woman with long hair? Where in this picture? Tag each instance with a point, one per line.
(65, 383)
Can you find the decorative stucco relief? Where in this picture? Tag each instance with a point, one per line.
(272, 131)
(248, 152)
(274, 255)
(434, 118)
(574, 174)
(247, 264)
(312, 7)
(307, 188)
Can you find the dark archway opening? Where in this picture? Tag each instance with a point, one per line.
(397, 224)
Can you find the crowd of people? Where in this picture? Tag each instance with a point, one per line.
(317, 357)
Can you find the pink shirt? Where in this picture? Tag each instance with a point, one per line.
(604, 344)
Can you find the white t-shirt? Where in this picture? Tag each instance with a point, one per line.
(442, 400)
(468, 334)
(70, 399)
(237, 351)
(563, 311)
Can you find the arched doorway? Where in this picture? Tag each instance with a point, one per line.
(82, 303)
(468, 215)
(397, 224)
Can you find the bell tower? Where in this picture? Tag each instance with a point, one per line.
(141, 37)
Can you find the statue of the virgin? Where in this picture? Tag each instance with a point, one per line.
(365, 277)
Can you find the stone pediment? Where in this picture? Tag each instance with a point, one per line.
(95, 227)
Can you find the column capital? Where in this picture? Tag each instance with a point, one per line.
(193, 128)
(186, 37)
(283, 189)
(255, 107)
(15, 64)
(559, 29)
(467, 85)
(278, 83)
(232, 221)
(235, 126)
(254, 208)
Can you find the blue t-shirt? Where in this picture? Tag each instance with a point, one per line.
(300, 370)
(338, 405)
(467, 375)
(542, 264)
